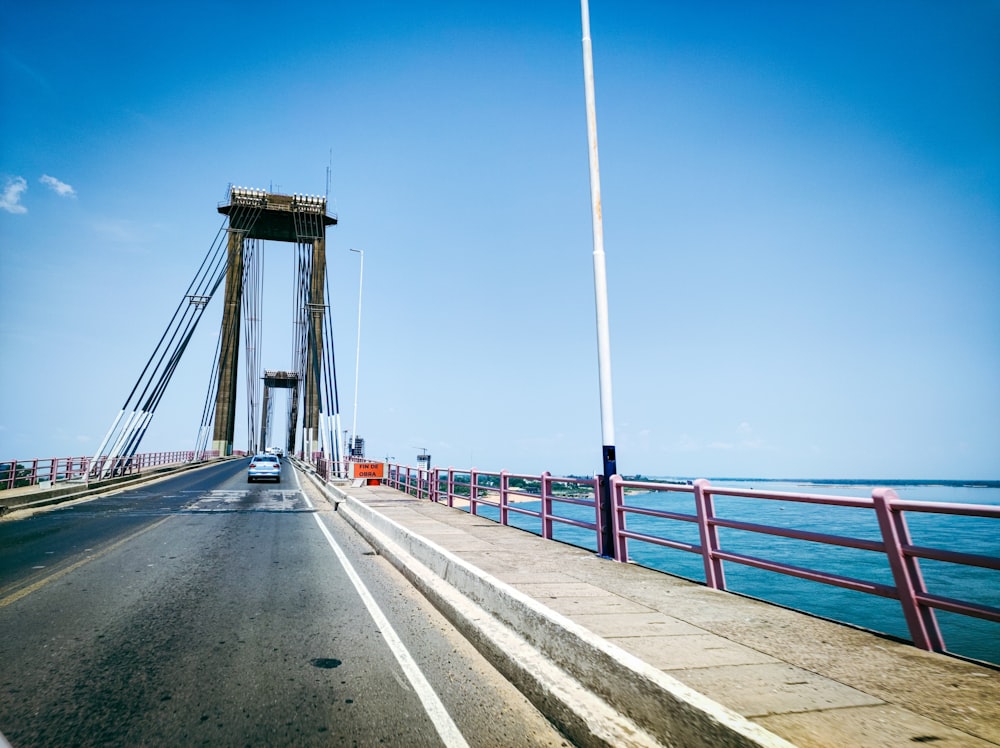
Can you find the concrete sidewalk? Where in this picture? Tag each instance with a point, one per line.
(621, 655)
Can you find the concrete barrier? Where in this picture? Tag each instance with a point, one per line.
(36, 497)
(597, 693)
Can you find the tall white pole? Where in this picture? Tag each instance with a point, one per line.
(357, 356)
(600, 289)
(600, 275)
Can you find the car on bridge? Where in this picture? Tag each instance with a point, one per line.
(264, 467)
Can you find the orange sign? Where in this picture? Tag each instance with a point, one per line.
(367, 469)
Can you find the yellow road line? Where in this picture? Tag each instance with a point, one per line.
(25, 591)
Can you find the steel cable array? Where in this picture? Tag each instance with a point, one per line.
(208, 411)
(303, 271)
(310, 317)
(130, 425)
(253, 272)
(330, 404)
(317, 373)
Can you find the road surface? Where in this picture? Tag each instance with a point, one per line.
(201, 609)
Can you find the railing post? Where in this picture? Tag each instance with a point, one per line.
(715, 575)
(617, 494)
(504, 487)
(451, 486)
(473, 477)
(906, 572)
(547, 505)
(605, 522)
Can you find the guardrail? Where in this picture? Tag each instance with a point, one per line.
(329, 469)
(52, 470)
(717, 535)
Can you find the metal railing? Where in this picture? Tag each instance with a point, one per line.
(889, 511)
(507, 493)
(717, 533)
(53, 470)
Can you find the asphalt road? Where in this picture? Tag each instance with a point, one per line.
(202, 610)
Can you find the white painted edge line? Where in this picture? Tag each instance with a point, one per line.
(680, 691)
(298, 485)
(446, 728)
(598, 718)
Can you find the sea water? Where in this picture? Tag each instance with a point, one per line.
(963, 635)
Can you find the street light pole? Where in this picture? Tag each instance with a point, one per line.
(600, 295)
(357, 356)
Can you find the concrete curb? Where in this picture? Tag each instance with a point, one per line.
(579, 714)
(658, 707)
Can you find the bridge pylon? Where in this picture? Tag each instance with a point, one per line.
(300, 219)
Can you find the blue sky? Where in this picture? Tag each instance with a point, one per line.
(801, 204)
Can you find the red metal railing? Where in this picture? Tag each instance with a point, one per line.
(918, 604)
(471, 490)
(328, 469)
(52, 470)
(475, 489)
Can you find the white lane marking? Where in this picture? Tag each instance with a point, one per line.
(298, 486)
(446, 728)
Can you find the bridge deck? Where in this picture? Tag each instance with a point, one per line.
(810, 681)
(802, 679)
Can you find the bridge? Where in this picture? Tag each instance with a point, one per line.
(160, 599)
(176, 604)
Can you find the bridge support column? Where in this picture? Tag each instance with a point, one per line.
(264, 425)
(229, 349)
(311, 399)
(293, 420)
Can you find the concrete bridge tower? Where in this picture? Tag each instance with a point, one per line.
(301, 219)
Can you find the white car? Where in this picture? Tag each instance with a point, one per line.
(264, 467)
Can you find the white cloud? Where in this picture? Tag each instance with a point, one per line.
(10, 198)
(59, 187)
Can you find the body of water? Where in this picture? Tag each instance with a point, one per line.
(963, 635)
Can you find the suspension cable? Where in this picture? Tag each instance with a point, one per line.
(134, 418)
(252, 276)
(332, 399)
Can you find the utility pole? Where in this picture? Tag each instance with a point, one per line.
(601, 296)
(357, 356)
